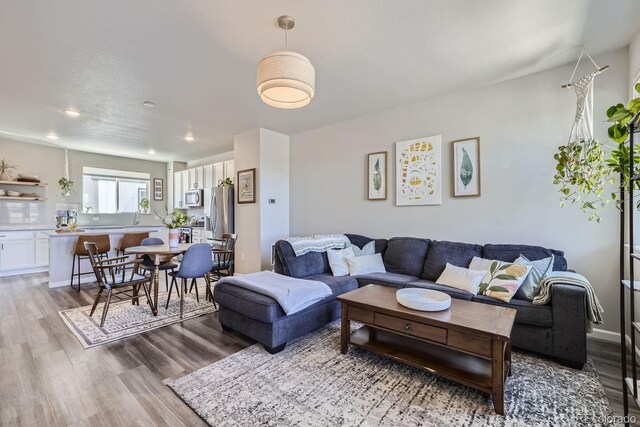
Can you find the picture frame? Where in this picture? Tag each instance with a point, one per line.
(158, 189)
(246, 180)
(418, 166)
(466, 167)
(377, 167)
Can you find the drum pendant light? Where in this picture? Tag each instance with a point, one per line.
(286, 79)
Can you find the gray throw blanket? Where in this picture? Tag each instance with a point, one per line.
(594, 309)
(292, 294)
(318, 243)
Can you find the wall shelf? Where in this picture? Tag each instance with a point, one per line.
(29, 184)
(32, 199)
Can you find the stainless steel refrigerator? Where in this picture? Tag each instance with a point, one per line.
(218, 212)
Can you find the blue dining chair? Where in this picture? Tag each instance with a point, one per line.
(148, 264)
(196, 263)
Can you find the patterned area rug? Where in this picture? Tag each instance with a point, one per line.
(310, 383)
(125, 320)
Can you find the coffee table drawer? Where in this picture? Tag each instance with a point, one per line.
(360, 314)
(470, 343)
(409, 327)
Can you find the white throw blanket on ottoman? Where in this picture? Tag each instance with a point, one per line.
(292, 294)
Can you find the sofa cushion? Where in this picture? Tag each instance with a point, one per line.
(527, 312)
(406, 255)
(441, 252)
(266, 309)
(510, 253)
(392, 280)
(452, 292)
(360, 241)
(303, 265)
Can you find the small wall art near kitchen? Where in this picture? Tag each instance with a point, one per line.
(158, 189)
(419, 172)
(247, 186)
(466, 167)
(377, 176)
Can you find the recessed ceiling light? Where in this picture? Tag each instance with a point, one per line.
(151, 152)
(149, 104)
(189, 137)
(72, 113)
(52, 136)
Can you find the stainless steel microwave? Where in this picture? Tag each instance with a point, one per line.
(193, 199)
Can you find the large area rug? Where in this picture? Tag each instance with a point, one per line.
(125, 320)
(311, 384)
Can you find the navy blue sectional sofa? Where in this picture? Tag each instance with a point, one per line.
(557, 329)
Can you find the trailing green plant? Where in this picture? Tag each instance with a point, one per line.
(223, 182)
(582, 173)
(65, 186)
(144, 204)
(7, 169)
(619, 161)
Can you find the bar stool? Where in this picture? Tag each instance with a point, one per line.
(103, 246)
(129, 240)
(148, 264)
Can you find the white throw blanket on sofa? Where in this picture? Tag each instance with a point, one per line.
(594, 309)
(292, 294)
(318, 243)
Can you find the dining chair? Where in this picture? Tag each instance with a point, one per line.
(112, 277)
(148, 264)
(103, 246)
(222, 262)
(196, 263)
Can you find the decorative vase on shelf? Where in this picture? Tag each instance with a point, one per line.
(174, 237)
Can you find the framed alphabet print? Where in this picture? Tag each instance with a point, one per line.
(466, 167)
(247, 186)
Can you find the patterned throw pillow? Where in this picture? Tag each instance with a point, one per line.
(502, 279)
(368, 249)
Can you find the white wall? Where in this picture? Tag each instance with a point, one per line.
(520, 123)
(634, 62)
(274, 179)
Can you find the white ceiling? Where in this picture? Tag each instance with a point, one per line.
(196, 59)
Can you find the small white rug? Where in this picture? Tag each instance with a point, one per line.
(311, 384)
(125, 320)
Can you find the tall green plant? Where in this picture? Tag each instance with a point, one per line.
(619, 162)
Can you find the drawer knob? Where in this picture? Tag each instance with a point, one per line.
(407, 326)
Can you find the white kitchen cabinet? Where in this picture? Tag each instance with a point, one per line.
(218, 172)
(178, 194)
(197, 235)
(186, 185)
(209, 179)
(16, 253)
(42, 252)
(229, 170)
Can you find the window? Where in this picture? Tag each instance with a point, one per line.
(113, 191)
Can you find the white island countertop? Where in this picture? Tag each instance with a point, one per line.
(107, 229)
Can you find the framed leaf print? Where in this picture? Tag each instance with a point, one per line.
(466, 167)
(418, 172)
(377, 176)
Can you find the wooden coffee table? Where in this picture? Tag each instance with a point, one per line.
(468, 343)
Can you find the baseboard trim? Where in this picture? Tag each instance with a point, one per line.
(604, 335)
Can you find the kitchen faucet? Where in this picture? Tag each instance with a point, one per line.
(136, 218)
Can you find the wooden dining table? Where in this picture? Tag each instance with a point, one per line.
(159, 254)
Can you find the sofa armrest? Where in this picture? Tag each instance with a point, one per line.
(569, 308)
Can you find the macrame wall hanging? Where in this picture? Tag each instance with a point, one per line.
(582, 172)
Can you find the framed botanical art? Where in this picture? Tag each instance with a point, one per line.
(158, 189)
(466, 167)
(419, 172)
(247, 186)
(377, 176)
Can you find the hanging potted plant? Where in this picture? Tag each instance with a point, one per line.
(65, 186)
(6, 170)
(144, 205)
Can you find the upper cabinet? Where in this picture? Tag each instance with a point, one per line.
(196, 179)
(218, 172)
(178, 195)
(199, 178)
(229, 170)
(209, 179)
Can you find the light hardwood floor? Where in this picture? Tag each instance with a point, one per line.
(47, 378)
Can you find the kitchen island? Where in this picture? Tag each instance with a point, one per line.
(62, 246)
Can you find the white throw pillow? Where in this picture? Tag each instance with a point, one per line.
(366, 264)
(480, 264)
(368, 249)
(338, 261)
(461, 278)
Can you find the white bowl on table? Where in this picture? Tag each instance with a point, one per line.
(423, 299)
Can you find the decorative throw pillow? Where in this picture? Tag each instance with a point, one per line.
(338, 261)
(366, 264)
(368, 249)
(502, 279)
(539, 270)
(461, 278)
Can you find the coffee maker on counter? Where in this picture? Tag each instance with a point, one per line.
(65, 218)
